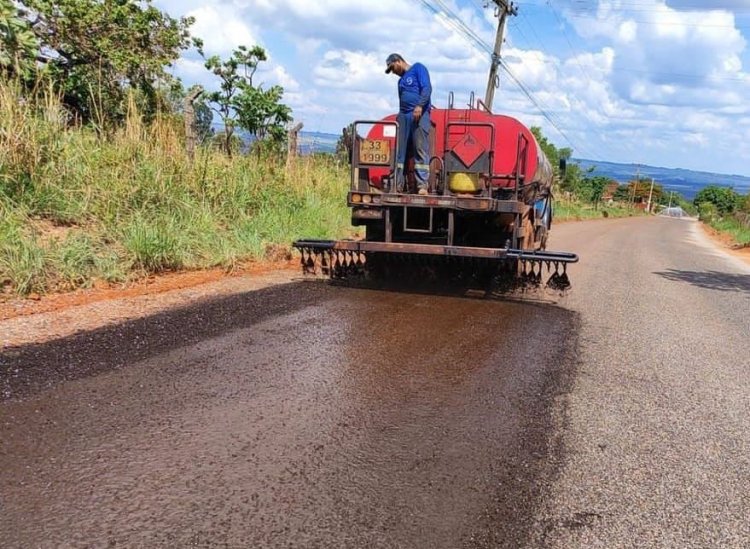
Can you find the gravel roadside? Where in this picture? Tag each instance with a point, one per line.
(92, 310)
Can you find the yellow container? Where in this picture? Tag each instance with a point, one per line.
(461, 182)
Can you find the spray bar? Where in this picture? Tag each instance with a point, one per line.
(435, 249)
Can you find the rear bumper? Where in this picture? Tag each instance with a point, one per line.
(469, 203)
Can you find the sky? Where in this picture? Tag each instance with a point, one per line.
(657, 82)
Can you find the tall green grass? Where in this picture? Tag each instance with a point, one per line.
(77, 205)
(740, 232)
(572, 210)
(736, 225)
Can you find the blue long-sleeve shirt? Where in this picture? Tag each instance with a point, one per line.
(414, 89)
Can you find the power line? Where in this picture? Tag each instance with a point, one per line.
(570, 44)
(671, 23)
(447, 14)
(644, 6)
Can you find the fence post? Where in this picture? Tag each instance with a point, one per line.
(189, 113)
(292, 141)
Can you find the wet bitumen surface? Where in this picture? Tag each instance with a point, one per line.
(303, 415)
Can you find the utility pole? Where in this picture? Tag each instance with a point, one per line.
(635, 185)
(650, 194)
(503, 9)
(670, 199)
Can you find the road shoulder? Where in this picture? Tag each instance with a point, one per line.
(61, 315)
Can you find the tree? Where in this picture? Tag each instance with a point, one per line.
(726, 199)
(97, 51)
(18, 45)
(744, 203)
(550, 151)
(623, 193)
(240, 104)
(638, 190)
(572, 181)
(594, 187)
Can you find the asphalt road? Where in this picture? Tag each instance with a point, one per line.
(308, 415)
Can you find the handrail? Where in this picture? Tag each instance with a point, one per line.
(521, 137)
(481, 103)
(442, 170)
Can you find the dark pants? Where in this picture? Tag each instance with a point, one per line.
(414, 142)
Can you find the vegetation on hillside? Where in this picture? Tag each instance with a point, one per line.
(581, 194)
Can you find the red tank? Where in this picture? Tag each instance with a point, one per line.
(474, 141)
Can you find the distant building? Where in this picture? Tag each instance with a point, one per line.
(609, 191)
(674, 211)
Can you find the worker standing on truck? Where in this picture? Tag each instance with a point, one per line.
(414, 90)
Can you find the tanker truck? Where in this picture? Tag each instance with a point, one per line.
(486, 217)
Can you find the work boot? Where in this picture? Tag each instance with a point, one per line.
(422, 191)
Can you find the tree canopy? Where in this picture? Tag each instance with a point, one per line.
(94, 51)
(726, 199)
(101, 55)
(19, 46)
(241, 104)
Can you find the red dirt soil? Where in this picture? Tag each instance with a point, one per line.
(12, 306)
(725, 242)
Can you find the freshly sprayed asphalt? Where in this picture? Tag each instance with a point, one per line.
(310, 415)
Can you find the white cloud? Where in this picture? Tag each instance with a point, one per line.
(692, 5)
(221, 28)
(284, 79)
(662, 81)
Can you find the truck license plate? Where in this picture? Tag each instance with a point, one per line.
(375, 151)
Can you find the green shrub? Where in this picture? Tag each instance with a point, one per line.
(725, 199)
(75, 260)
(155, 244)
(707, 211)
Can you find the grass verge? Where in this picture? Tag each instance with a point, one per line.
(77, 206)
(578, 211)
(734, 228)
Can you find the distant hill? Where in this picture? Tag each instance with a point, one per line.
(317, 142)
(685, 182)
